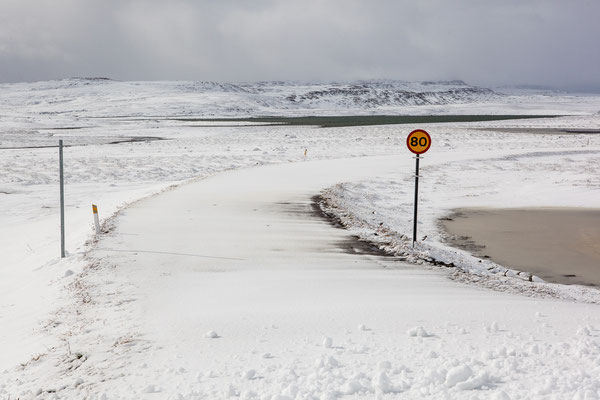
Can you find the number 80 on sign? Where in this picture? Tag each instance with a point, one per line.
(418, 141)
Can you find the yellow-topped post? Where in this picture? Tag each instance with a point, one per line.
(96, 221)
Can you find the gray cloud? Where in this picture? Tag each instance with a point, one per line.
(485, 42)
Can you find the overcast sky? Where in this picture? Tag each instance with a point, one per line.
(484, 42)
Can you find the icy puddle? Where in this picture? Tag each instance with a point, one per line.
(560, 245)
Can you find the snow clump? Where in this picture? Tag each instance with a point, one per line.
(458, 374)
(418, 331)
(250, 374)
(211, 335)
(381, 383)
(151, 389)
(583, 331)
(327, 362)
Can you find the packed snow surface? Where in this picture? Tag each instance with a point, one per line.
(242, 254)
(232, 285)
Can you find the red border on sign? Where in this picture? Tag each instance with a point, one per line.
(408, 141)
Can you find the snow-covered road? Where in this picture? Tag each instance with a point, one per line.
(294, 312)
(243, 254)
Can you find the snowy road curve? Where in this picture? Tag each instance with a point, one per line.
(296, 314)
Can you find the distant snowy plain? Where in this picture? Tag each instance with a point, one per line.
(126, 142)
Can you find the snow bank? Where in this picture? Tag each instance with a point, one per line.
(478, 170)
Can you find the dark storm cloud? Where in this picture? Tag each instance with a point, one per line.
(484, 42)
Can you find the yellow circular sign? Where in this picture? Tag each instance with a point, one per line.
(418, 141)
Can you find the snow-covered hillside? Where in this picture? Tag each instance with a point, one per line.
(71, 100)
(233, 99)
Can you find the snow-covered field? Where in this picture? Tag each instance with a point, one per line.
(529, 348)
(470, 170)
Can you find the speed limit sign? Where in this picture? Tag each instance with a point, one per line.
(418, 141)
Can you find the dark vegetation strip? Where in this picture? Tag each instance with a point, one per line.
(124, 140)
(356, 120)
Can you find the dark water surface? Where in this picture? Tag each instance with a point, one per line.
(560, 245)
(354, 120)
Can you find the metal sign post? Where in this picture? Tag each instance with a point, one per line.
(62, 200)
(416, 201)
(418, 142)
